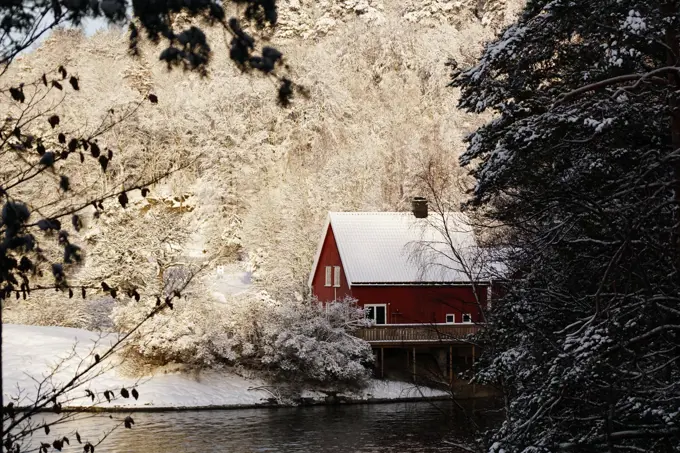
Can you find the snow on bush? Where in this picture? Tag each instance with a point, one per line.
(303, 340)
(295, 341)
(70, 313)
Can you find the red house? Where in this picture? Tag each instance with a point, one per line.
(403, 267)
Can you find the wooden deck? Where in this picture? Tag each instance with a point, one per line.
(397, 335)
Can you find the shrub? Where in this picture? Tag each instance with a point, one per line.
(296, 341)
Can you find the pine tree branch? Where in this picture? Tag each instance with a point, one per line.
(638, 78)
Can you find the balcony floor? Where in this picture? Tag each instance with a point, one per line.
(399, 335)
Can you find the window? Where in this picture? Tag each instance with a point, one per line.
(336, 276)
(328, 276)
(376, 313)
(467, 318)
(450, 319)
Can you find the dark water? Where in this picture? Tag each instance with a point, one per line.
(381, 428)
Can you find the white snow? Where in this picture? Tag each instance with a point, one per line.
(229, 280)
(231, 284)
(634, 22)
(29, 353)
(397, 247)
(599, 126)
(511, 40)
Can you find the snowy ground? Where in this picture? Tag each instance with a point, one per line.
(30, 353)
(229, 280)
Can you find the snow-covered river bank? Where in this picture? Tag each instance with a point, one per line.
(29, 353)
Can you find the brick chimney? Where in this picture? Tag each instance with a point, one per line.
(419, 207)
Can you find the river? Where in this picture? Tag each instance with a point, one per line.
(379, 428)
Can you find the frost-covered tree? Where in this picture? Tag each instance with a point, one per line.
(287, 341)
(46, 198)
(23, 23)
(581, 170)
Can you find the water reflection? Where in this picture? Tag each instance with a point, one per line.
(383, 428)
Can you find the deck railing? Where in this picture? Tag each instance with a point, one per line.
(417, 333)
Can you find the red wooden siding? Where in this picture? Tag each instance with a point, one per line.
(423, 304)
(329, 257)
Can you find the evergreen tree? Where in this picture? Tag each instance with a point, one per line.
(581, 169)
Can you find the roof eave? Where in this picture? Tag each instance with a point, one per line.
(319, 248)
(452, 283)
(345, 264)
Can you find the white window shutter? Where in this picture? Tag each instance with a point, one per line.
(336, 276)
(328, 276)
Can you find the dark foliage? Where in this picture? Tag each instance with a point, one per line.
(581, 170)
(24, 22)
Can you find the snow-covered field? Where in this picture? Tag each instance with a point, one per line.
(30, 353)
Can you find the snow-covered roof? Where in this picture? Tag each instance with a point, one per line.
(398, 248)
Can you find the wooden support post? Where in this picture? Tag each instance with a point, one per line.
(382, 363)
(474, 386)
(450, 365)
(414, 364)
